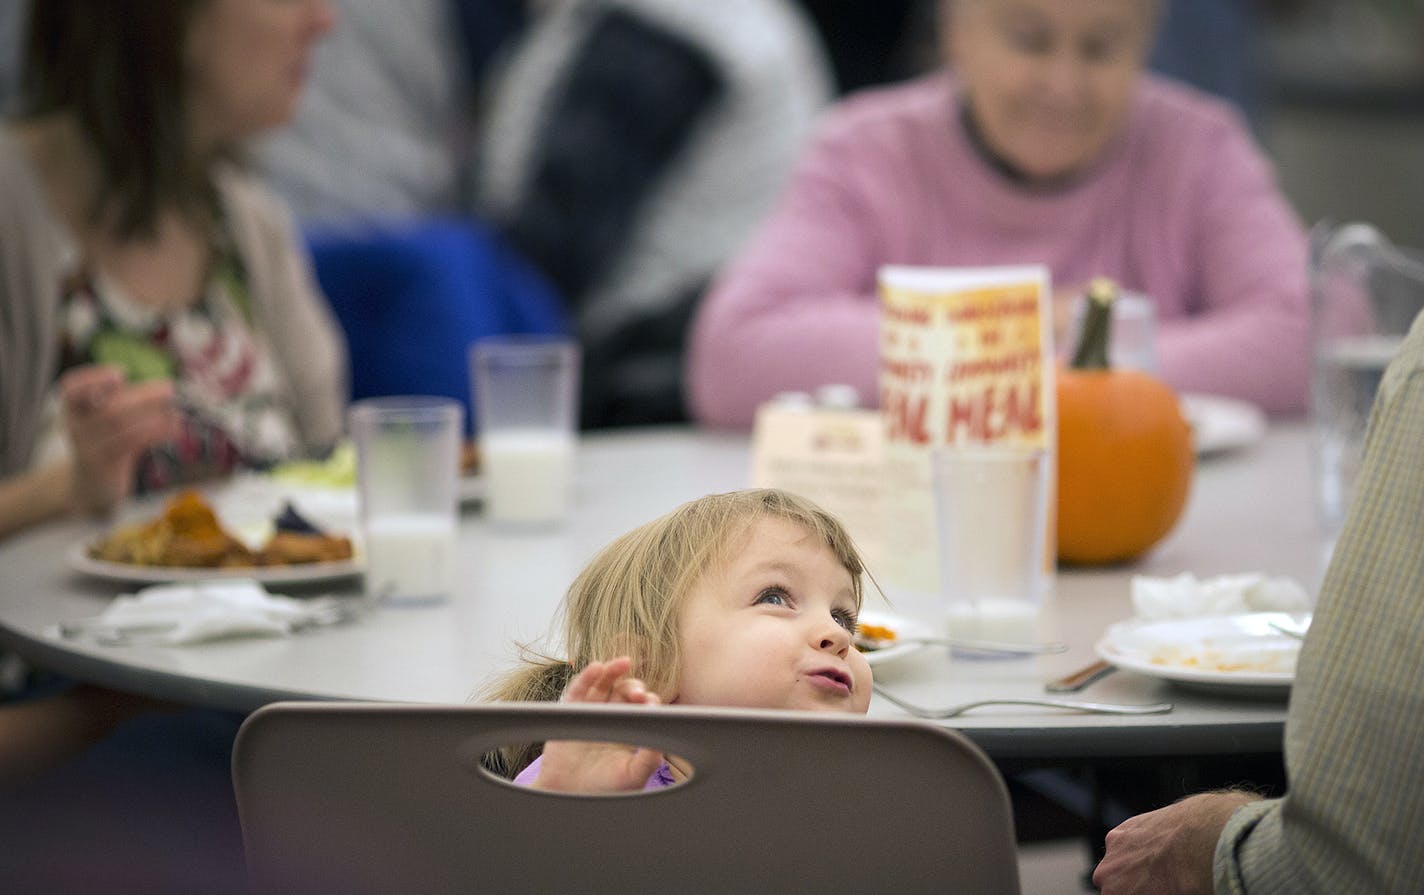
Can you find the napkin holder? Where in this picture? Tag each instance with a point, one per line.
(828, 455)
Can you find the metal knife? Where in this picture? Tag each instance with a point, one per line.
(1077, 680)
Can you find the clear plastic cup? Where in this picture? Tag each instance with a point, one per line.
(407, 460)
(991, 502)
(526, 413)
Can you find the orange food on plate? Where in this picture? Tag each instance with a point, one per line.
(189, 535)
(871, 637)
(293, 548)
(875, 632)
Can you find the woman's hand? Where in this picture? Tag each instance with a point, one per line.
(110, 424)
(578, 766)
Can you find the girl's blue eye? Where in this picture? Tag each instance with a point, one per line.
(773, 595)
(845, 619)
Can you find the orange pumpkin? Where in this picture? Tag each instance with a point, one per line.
(1125, 457)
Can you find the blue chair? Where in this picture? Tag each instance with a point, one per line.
(412, 297)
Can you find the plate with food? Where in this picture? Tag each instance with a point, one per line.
(1222, 424)
(877, 634)
(187, 542)
(1251, 652)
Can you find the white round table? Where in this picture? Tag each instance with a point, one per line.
(1250, 510)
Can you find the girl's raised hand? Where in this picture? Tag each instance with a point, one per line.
(578, 766)
(110, 423)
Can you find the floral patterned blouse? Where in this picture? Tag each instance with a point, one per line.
(228, 388)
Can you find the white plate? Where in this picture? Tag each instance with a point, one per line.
(1232, 652)
(902, 626)
(1222, 424)
(79, 559)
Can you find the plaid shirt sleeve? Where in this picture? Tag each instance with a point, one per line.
(1354, 747)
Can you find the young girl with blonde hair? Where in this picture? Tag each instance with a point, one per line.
(741, 599)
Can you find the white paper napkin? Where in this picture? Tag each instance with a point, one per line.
(1184, 596)
(173, 614)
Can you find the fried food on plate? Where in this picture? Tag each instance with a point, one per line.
(294, 548)
(189, 535)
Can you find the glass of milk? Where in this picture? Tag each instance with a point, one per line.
(991, 503)
(407, 461)
(526, 413)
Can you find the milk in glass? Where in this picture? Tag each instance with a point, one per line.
(993, 618)
(407, 450)
(410, 556)
(526, 390)
(528, 472)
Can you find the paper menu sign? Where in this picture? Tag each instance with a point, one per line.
(965, 357)
(831, 457)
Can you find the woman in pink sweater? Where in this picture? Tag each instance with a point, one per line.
(1047, 144)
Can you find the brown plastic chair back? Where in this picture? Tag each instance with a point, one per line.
(356, 797)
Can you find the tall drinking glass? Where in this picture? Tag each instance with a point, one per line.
(1365, 294)
(407, 459)
(526, 412)
(992, 506)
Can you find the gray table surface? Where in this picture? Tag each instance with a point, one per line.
(1250, 510)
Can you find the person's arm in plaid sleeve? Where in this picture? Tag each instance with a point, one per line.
(1352, 819)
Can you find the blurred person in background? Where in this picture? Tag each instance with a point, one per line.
(158, 320)
(875, 42)
(375, 135)
(158, 324)
(382, 132)
(1233, 67)
(374, 166)
(869, 41)
(629, 149)
(1044, 141)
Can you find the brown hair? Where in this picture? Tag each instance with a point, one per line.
(119, 68)
(627, 600)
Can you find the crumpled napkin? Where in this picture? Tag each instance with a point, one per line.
(1183, 596)
(174, 614)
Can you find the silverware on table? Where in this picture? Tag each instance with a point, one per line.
(871, 644)
(1289, 631)
(1081, 678)
(1098, 708)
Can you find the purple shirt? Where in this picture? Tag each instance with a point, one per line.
(660, 778)
(1182, 207)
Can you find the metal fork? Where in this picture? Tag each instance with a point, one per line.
(1099, 708)
(959, 643)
